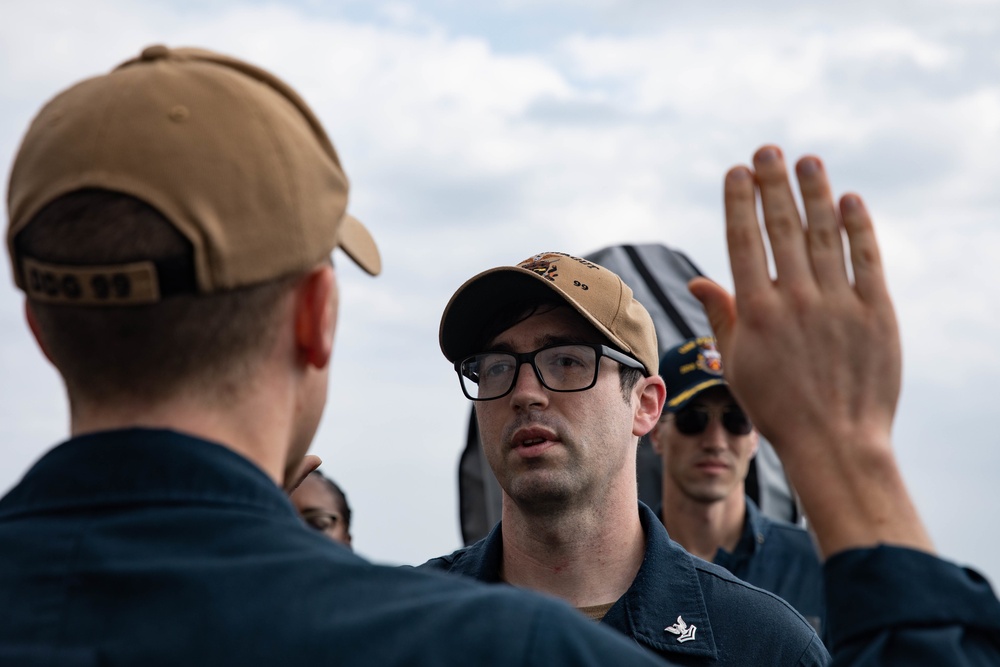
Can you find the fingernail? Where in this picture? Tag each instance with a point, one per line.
(739, 174)
(767, 154)
(851, 203)
(808, 166)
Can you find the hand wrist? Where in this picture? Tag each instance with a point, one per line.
(854, 496)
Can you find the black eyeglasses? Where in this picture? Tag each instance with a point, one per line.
(694, 420)
(560, 367)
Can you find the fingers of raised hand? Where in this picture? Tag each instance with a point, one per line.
(823, 229)
(869, 279)
(809, 260)
(719, 306)
(746, 247)
(781, 217)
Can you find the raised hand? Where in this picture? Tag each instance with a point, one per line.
(813, 354)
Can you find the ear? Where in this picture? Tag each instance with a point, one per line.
(651, 395)
(36, 332)
(755, 437)
(316, 316)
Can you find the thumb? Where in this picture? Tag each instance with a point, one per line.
(298, 473)
(719, 306)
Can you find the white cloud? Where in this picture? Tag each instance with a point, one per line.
(892, 43)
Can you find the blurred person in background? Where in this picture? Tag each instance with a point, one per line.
(322, 504)
(706, 443)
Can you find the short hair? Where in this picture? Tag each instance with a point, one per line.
(514, 312)
(628, 378)
(338, 496)
(184, 343)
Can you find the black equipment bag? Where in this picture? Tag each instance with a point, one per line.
(658, 276)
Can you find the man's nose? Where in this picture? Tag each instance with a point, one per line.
(714, 436)
(528, 389)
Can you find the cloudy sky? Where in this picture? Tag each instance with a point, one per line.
(477, 134)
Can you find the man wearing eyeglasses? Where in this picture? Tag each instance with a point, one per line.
(707, 442)
(561, 362)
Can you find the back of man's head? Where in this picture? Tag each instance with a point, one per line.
(158, 214)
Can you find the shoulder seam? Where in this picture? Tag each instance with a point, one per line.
(732, 579)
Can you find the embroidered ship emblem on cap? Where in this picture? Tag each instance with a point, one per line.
(683, 631)
(543, 265)
(709, 359)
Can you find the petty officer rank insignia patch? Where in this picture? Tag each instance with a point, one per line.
(683, 631)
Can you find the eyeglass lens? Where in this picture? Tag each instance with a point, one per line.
(560, 368)
(692, 421)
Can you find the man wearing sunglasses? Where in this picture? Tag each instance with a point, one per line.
(561, 362)
(707, 442)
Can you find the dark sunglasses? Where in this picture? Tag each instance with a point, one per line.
(694, 420)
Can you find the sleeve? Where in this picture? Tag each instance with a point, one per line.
(896, 606)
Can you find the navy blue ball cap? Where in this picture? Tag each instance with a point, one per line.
(689, 369)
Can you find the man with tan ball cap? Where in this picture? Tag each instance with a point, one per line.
(562, 362)
(171, 224)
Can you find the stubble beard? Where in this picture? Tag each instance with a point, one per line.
(544, 486)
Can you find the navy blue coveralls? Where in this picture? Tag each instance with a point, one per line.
(896, 607)
(735, 623)
(779, 557)
(148, 547)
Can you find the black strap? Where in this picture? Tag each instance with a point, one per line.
(471, 494)
(654, 287)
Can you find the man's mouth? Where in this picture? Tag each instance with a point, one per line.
(532, 442)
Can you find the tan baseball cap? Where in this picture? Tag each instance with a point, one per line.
(598, 294)
(229, 153)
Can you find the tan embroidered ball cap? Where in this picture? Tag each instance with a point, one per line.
(229, 153)
(598, 294)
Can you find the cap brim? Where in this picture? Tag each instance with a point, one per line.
(472, 310)
(680, 400)
(355, 240)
